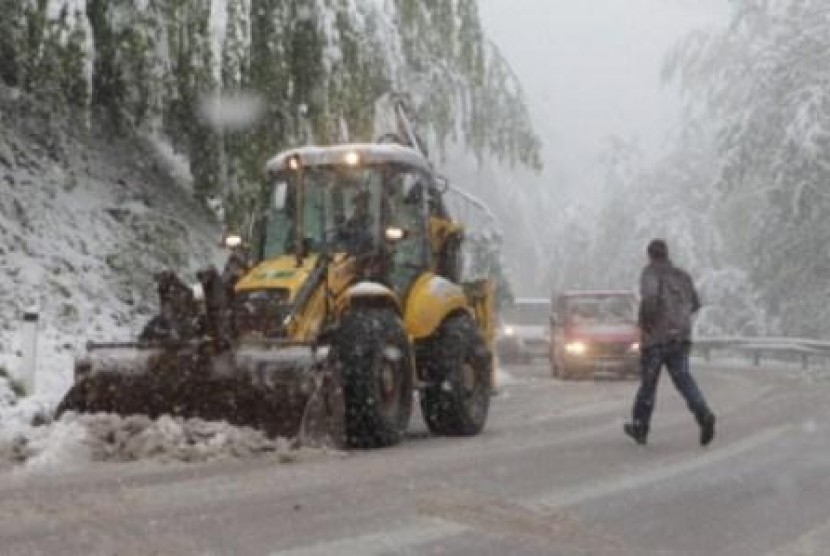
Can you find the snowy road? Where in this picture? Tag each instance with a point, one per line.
(552, 474)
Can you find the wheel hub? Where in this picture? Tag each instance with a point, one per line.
(387, 381)
(468, 377)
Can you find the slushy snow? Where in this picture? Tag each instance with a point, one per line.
(76, 440)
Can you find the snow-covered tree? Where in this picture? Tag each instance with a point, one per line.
(675, 198)
(319, 67)
(762, 81)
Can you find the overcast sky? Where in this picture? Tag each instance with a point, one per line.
(590, 68)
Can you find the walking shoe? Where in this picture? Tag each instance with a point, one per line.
(636, 432)
(707, 429)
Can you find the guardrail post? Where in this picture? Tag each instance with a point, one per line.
(756, 357)
(805, 361)
(707, 355)
(29, 349)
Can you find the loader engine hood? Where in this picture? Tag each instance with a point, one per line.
(281, 273)
(265, 297)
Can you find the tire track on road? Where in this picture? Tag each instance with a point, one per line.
(538, 522)
(588, 493)
(814, 541)
(392, 541)
(502, 518)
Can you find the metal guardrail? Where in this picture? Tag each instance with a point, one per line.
(757, 348)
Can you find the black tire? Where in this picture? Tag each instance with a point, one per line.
(555, 370)
(374, 356)
(557, 365)
(563, 372)
(457, 366)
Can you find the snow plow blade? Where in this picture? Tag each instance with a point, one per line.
(284, 389)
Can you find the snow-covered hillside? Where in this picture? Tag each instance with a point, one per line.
(85, 220)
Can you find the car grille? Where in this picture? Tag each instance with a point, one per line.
(611, 351)
(537, 342)
(261, 311)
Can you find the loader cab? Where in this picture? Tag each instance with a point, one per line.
(322, 209)
(368, 202)
(407, 208)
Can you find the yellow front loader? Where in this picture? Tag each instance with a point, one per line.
(345, 298)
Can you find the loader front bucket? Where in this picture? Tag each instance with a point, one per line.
(290, 391)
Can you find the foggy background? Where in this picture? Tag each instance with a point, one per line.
(590, 70)
(728, 161)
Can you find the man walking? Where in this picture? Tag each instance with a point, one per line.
(667, 302)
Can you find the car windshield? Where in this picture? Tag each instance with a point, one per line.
(528, 313)
(340, 210)
(609, 309)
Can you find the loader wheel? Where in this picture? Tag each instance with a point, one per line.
(556, 367)
(373, 352)
(457, 365)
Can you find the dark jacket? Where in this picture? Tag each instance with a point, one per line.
(668, 300)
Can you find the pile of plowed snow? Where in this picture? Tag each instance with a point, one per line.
(31, 439)
(76, 440)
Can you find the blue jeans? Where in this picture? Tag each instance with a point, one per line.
(676, 359)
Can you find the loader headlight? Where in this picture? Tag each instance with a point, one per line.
(352, 158)
(294, 162)
(576, 348)
(232, 241)
(394, 234)
(635, 346)
(508, 330)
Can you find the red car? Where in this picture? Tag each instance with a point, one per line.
(595, 334)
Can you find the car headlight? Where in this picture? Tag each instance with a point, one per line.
(635, 346)
(508, 331)
(576, 348)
